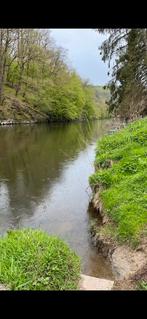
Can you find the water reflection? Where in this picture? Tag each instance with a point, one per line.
(44, 172)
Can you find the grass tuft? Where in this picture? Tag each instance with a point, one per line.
(32, 260)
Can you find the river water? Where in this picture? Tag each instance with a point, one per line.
(44, 172)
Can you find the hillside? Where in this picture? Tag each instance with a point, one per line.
(101, 95)
(34, 75)
(19, 108)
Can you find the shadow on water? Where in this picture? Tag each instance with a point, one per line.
(44, 172)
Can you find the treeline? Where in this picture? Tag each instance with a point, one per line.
(101, 96)
(35, 71)
(128, 85)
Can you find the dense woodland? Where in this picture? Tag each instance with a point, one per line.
(127, 50)
(34, 71)
(34, 74)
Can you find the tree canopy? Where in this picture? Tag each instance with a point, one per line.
(34, 70)
(128, 85)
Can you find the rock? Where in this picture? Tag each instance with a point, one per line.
(93, 283)
(11, 122)
(2, 287)
(7, 122)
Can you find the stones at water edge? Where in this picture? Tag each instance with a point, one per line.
(12, 122)
(93, 283)
(7, 122)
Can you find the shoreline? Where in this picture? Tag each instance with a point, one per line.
(128, 260)
(127, 263)
(8, 122)
(15, 122)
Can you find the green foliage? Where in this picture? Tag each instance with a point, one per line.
(128, 85)
(124, 193)
(39, 75)
(101, 177)
(100, 96)
(67, 99)
(143, 285)
(32, 260)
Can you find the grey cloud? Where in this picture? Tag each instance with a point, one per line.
(83, 54)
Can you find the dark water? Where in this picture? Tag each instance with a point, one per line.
(44, 172)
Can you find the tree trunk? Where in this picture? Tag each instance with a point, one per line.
(20, 80)
(1, 65)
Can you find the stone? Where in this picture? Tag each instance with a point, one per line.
(93, 283)
(2, 287)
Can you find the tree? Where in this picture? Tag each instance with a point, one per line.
(6, 42)
(128, 85)
(35, 70)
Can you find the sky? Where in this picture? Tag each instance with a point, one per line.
(83, 54)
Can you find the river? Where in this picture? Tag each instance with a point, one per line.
(44, 172)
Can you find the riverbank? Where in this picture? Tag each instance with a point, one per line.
(119, 197)
(16, 111)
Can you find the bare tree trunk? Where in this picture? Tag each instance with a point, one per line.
(4, 46)
(1, 65)
(20, 80)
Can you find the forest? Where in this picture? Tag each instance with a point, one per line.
(36, 81)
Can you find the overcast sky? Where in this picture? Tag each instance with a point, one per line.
(83, 53)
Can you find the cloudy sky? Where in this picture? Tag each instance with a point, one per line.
(83, 54)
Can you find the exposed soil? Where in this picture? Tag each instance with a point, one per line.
(129, 265)
(15, 111)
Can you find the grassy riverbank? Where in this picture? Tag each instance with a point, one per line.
(121, 177)
(32, 260)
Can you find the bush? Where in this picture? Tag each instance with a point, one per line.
(32, 260)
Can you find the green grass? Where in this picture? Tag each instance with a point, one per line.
(32, 260)
(124, 184)
(142, 285)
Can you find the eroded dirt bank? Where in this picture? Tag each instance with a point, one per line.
(129, 265)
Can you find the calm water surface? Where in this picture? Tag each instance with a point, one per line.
(44, 172)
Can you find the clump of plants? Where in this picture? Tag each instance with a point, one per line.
(33, 260)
